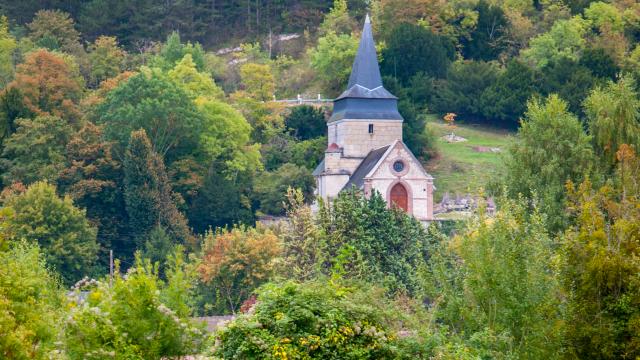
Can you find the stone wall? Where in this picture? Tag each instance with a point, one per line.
(330, 185)
(354, 137)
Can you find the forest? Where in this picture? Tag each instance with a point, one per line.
(151, 133)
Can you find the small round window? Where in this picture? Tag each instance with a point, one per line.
(398, 166)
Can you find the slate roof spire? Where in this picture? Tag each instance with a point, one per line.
(366, 97)
(365, 71)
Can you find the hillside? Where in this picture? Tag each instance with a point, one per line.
(464, 167)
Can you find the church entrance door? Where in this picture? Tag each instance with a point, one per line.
(399, 197)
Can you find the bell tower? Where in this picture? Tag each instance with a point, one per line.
(365, 116)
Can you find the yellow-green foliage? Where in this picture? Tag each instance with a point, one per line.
(106, 59)
(31, 304)
(67, 239)
(132, 319)
(496, 284)
(258, 81)
(7, 48)
(195, 83)
(602, 264)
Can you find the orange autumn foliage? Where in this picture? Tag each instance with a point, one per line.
(237, 261)
(50, 85)
(97, 97)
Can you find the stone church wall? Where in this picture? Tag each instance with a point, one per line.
(354, 137)
(419, 188)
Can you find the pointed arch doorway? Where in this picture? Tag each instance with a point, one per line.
(399, 197)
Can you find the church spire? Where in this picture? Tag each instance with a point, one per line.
(366, 97)
(365, 71)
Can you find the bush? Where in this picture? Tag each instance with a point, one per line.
(30, 304)
(133, 319)
(305, 321)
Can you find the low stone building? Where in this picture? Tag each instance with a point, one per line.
(365, 148)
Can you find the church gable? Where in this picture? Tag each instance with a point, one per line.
(398, 162)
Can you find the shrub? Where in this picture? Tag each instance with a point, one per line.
(304, 321)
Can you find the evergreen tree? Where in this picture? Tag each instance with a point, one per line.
(12, 107)
(147, 193)
(367, 240)
(461, 92)
(488, 38)
(570, 80)
(223, 200)
(412, 49)
(506, 99)
(306, 122)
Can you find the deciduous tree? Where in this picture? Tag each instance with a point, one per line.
(499, 277)
(565, 40)
(258, 81)
(50, 85)
(7, 47)
(332, 59)
(601, 265)
(36, 151)
(105, 59)
(552, 148)
(54, 29)
(93, 179)
(237, 261)
(150, 101)
(61, 230)
(197, 84)
(614, 117)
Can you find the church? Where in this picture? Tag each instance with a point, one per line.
(365, 148)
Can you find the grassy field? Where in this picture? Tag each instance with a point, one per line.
(464, 167)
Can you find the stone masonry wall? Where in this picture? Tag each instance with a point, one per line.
(353, 135)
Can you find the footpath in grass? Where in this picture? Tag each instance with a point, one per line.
(465, 167)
